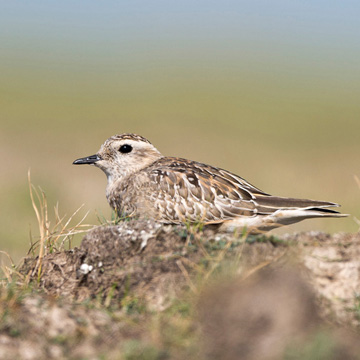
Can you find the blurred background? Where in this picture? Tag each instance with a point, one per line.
(268, 90)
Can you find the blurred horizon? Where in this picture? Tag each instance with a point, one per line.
(267, 91)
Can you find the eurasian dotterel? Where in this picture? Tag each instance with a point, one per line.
(143, 183)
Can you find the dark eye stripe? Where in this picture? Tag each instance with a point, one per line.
(124, 149)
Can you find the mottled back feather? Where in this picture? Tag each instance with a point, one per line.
(184, 190)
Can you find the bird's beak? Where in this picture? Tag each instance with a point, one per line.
(87, 160)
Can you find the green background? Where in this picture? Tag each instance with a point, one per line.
(268, 90)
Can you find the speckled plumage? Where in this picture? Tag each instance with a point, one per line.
(144, 183)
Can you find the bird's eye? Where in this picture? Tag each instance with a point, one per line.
(125, 148)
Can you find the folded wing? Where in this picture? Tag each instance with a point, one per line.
(188, 191)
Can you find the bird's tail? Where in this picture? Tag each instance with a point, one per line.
(274, 212)
(268, 204)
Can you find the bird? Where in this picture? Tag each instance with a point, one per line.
(142, 183)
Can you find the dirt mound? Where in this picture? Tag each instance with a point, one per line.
(155, 262)
(333, 267)
(271, 315)
(139, 257)
(38, 327)
(169, 292)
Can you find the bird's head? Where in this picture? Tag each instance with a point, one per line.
(121, 155)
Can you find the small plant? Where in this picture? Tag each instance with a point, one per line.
(114, 220)
(357, 180)
(52, 237)
(356, 307)
(137, 350)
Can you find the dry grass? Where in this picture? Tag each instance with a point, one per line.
(357, 180)
(54, 234)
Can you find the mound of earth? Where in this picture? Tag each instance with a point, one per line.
(254, 296)
(271, 315)
(154, 262)
(139, 257)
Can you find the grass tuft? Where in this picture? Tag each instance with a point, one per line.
(115, 218)
(52, 237)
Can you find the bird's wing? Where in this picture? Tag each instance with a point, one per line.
(184, 190)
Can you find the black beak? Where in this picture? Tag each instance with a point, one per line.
(87, 160)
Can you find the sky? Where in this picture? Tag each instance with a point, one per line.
(184, 30)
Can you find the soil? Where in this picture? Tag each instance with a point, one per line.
(251, 296)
